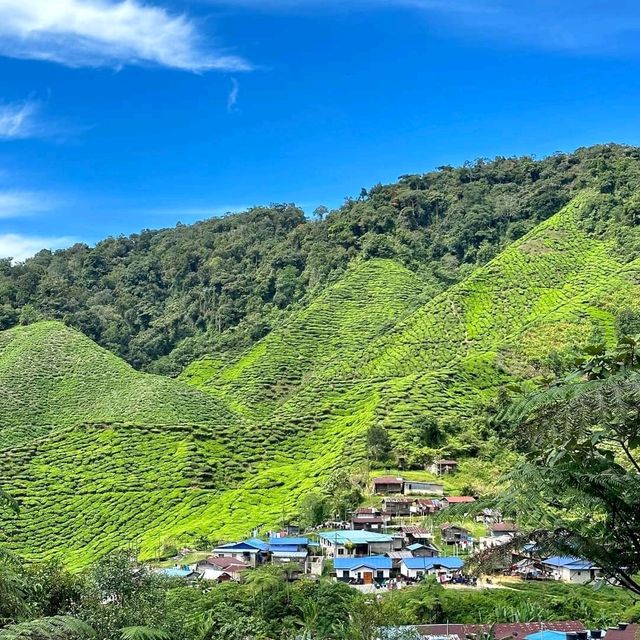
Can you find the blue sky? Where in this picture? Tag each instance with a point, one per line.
(118, 116)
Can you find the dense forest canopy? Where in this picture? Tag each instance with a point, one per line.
(160, 299)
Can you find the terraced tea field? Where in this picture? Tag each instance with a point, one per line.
(101, 456)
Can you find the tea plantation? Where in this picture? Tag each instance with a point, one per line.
(101, 456)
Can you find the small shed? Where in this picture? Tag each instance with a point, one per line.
(387, 485)
(453, 533)
(440, 467)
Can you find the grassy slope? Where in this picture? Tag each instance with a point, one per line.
(361, 354)
(545, 292)
(101, 455)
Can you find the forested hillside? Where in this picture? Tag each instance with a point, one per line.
(412, 335)
(160, 299)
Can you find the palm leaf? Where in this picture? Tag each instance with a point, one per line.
(53, 628)
(143, 633)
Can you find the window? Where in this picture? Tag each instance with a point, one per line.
(345, 574)
(380, 575)
(340, 551)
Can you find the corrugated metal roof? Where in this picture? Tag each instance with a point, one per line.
(352, 536)
(301, 542)
(298, 555)
(577, 564)
(372, 562)
(447, 562)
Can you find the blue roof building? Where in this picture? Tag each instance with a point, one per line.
(570, 569)
(417, 567)
(298, 542)
(178, 572)
(355, 542)
(364, 570)
(547, 634)
(373, 562)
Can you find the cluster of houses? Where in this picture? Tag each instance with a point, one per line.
(378, 545)
(564, 630)
(229, 561)
(367, 557)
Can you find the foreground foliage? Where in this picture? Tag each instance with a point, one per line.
(143, 606)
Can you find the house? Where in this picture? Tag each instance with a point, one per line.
(569, 569)
(221, 569)
(424, 506)
(300, 543)
(183, 572)
(451, 500)
(367, 511)
(428, 488)
(252, 551)
(363, 521)
(500, 529)
(351, 542)
(413, 533)
(501, 630)
(440, 467)
(442, 567)
(423, 550)
(452, 533)
(363, 570)
(291, 551)
(387, 485)
(398, 507)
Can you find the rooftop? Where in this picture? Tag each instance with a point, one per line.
(354, 537)
(300, 542)
(177, 572)
(459, 499)
(568, 562)
(503, 527)
(547, 634)
(371, 562)
(446, 562)
(388, 480)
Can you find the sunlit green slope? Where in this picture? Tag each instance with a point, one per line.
(371, 298)
(52, 376)
(101, 456)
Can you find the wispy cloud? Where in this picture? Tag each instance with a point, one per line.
(93, 33)
(20, 247)
(18, 120)
(232, 98)
(19, 204)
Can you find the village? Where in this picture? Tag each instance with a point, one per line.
(394, 544)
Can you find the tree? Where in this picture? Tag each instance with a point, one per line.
(378, 443)
(344, 496)
(314, 509)
(577, 492)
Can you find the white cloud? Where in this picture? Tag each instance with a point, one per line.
(94, 33)
(18, 204)
(232, 99)
(20, 247)
(17, 120)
